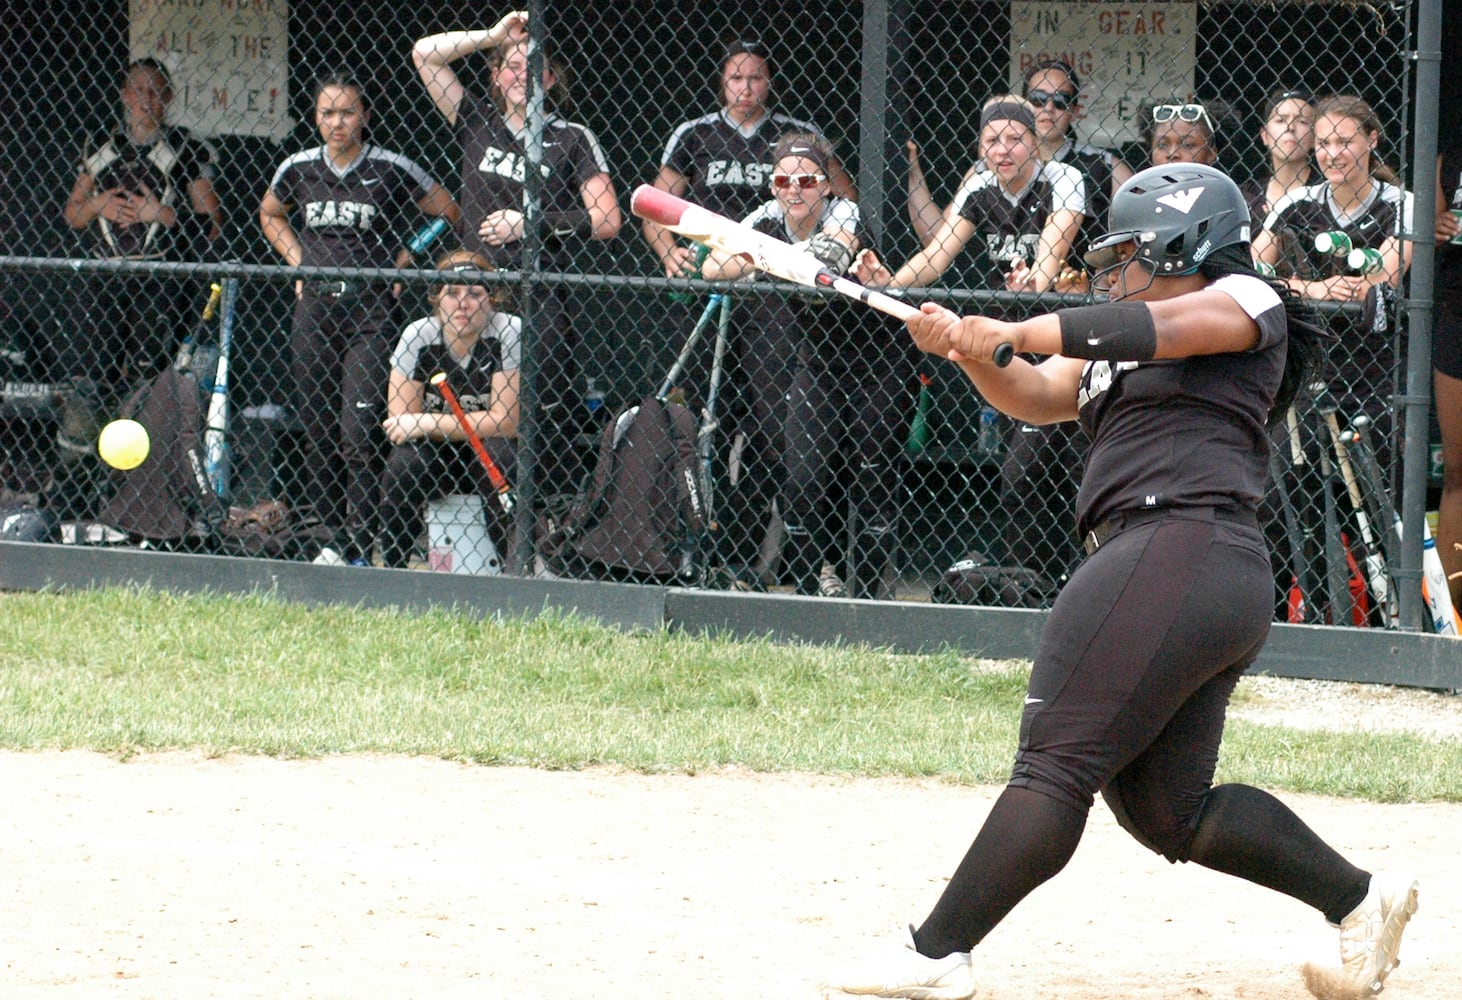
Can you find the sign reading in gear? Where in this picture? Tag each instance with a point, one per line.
(1126, 54)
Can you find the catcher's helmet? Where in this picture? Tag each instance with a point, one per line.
(1177, 214)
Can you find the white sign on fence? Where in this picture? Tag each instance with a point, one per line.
(1127, 54)
(227, 60)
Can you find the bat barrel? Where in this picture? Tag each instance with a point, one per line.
(655, 205)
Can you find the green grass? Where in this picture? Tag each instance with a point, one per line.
(127, 671)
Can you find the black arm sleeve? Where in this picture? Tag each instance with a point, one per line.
(1113, 331)
(569, 222)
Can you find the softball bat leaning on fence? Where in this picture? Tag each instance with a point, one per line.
(216, 457)
(766, 253)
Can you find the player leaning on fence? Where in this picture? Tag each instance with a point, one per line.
(1173, 380)
(851, 393)
(1021, 212)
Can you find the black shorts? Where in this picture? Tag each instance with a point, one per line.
(1447, 334)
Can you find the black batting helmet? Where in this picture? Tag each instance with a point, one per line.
(1177, 214)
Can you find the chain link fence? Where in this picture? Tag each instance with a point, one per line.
(658, 417)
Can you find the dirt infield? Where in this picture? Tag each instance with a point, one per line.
(174, 876)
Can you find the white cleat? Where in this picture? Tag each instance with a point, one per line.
(904, 973)
(1370, 938)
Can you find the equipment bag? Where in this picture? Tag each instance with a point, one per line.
(641, 516)
(271, 530)
(168, 497)
(974, 581)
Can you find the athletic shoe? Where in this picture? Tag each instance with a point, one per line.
(907, 974)
(829, 584)
(1370, 938)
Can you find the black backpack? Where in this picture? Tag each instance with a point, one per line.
(168, 498)
(641, 517)
(974, 581)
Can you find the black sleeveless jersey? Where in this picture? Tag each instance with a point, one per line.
(1187, 432)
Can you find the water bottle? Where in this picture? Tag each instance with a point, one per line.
(919, 428)
(989, 439)
(1364, 260)
(426, 236)
(1266, 270)
(1335, 243)
(701, 252)
(593, 396)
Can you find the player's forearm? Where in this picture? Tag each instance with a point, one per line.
(282, 238)
(661, 240)
(496, 422)
(449, 46)
(82, 209)
(918, 271)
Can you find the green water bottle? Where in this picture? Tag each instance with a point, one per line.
(1364, 260)
(1335, 243)
(701, 251)
(919, 426)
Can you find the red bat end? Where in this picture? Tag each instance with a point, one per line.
(657, 206)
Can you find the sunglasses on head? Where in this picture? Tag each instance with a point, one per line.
(1059, 98)
(803, 181)
(1183, 113)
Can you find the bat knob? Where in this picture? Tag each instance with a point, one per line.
(1003, 354)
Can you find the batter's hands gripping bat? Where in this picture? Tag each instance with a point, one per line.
(215, 434)
(766, 253)
(499, 481)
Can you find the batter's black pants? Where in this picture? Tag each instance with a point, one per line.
(1127, 696)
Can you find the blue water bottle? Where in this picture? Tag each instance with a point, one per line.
(989, 440)
(426, 236)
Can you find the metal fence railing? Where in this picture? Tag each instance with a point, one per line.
(323, 163)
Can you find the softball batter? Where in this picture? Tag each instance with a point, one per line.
(1173, 380)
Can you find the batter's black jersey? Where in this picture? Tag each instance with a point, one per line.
(1008, 227)
(166, 166)
(728, 168)
(1309, 210)
(494, 174)
(1187, 432)
(835, 332)
(353, 217)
